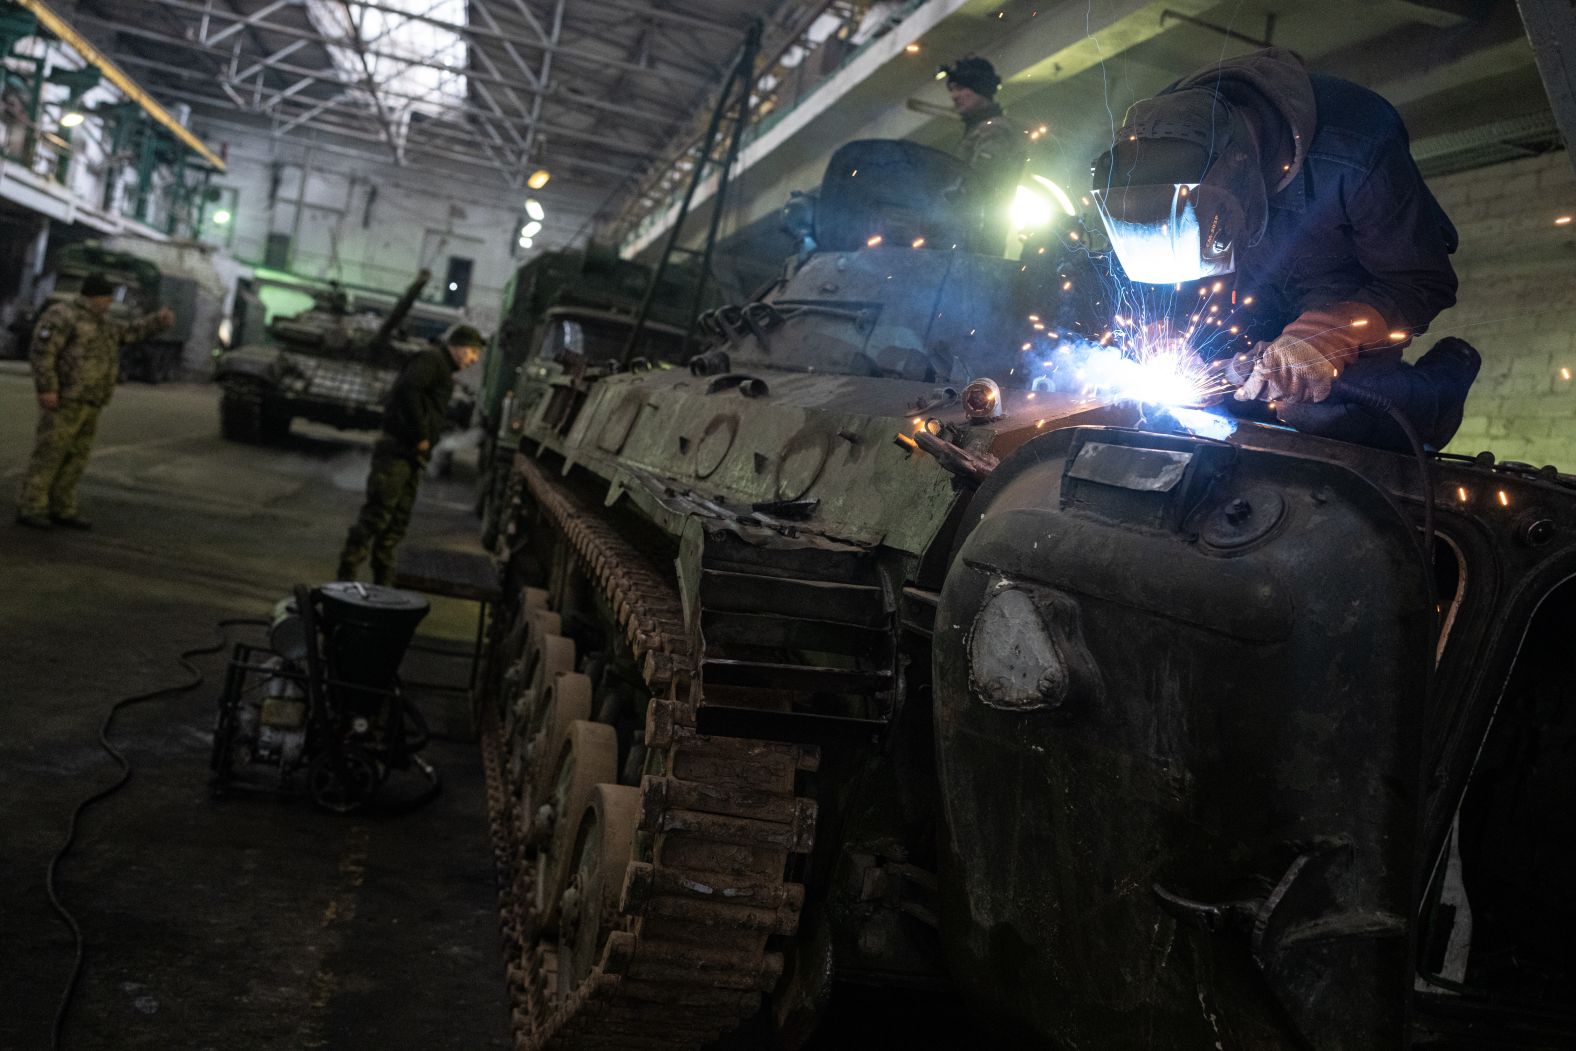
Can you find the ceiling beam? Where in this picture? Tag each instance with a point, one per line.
(472, 34)
(490, 76)
(269, 60)
(337, 79)
(245, 22)
(1441, 57)
(547, 76)
(652, 12)
(460, 131)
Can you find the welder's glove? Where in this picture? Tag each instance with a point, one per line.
(1304, 360)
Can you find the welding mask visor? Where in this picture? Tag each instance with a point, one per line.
(1180, 191)
(1172, 232)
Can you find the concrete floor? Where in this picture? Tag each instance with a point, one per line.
(251, 922)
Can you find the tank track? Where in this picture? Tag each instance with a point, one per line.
(705, 893)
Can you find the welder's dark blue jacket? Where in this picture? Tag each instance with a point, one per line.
(1356, 223)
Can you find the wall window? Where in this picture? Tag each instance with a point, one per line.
(457, 285)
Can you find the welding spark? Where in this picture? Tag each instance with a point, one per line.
(1204, 422)
(1149, 364)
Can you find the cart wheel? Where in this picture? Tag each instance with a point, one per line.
(349, 788)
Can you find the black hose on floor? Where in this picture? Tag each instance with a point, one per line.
(194, 680)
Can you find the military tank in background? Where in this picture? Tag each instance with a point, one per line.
(144, 288)
(865, 652)
(327, 364)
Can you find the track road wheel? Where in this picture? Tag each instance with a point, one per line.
(528, 624)
(568, 699)
(588, 758)
(546, 656)
(603, 847)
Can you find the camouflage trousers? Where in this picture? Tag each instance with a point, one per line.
(381, 525)
(60, 455)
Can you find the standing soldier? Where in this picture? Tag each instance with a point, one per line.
(412, 422)
(76, 358)
(993, 147)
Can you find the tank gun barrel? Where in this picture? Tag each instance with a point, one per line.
(397, 315)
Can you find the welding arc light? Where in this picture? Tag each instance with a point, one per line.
(538, 179)
(531, 229)
(72, 119)
(221, 217)
(533, 208)
(1032, 209)
(1058, 194)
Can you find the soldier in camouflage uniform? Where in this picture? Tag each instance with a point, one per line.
(76, 356)
(994, 148)
(417, 407)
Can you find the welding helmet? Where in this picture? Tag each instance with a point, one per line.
(1181, 191)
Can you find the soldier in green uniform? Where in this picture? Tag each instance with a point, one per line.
(412, 422)
(994, 148)
(76, 358)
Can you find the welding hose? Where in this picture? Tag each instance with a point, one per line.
(194, 679)
(1368, 399)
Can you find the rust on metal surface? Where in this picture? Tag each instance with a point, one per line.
(686, 959)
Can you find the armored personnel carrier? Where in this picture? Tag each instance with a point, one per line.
(328, 365)
(853, 655)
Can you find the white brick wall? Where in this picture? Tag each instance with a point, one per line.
(1517, 305)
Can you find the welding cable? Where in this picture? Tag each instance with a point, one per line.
(1371, 400)
(194, 679)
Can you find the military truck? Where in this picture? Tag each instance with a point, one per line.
(328, 364)
(855, 656)
(144, 288)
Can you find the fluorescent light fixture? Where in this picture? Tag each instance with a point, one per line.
(534, 209)
(72, 119)
(221, 217)
(538, 179)
(531, 229)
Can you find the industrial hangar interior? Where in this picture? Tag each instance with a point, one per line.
(788, 524)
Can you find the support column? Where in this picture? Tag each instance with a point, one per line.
(1551, 29)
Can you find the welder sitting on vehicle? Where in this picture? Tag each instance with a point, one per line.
(1303, 185)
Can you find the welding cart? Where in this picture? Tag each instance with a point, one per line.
(323, 699)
